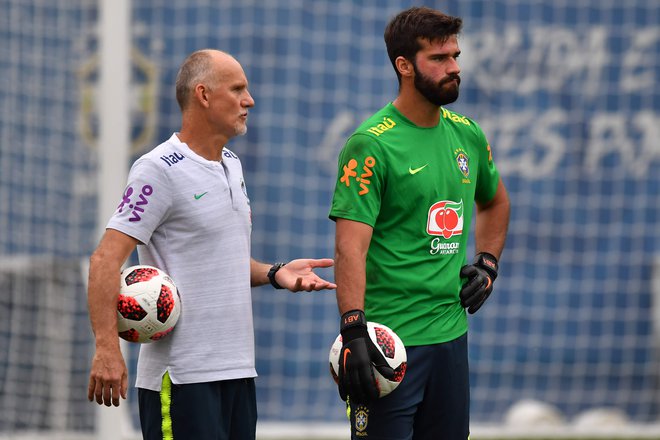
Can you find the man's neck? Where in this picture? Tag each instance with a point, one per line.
(207, 146)
(417, 109)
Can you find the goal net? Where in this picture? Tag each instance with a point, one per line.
(566, 91)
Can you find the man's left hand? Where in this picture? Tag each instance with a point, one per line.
(299, 275)
(480, 277)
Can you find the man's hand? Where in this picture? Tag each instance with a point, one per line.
(299, 275)
(358, 355)
(108, 378)
(480, 274)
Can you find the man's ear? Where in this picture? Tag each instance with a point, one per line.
(404, 67)
(202, 95)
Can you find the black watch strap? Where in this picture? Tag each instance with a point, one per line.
(271, 274)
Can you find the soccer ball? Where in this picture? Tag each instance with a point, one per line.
(149, 305)
(533, 413)
(390, 346)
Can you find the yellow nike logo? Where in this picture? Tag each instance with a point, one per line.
(416, 170)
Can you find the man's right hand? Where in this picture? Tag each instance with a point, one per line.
(108, 377)
(357, 357)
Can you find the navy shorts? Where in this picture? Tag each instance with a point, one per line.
(432, 402)
(222, 410)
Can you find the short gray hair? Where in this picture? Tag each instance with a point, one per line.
(197, 68)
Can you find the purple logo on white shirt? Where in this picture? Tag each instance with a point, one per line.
(137, 206)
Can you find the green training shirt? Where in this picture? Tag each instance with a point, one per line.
(416, 188)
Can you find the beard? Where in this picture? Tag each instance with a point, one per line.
(440, 93)
(240, 128)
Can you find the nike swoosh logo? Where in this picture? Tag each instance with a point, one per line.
(199, 196)
(416, 170)
(346, 353)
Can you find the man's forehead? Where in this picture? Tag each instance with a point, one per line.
(230, 70)
(449, 44)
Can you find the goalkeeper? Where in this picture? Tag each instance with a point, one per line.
(409, 179)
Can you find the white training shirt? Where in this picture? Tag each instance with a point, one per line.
(192, 217)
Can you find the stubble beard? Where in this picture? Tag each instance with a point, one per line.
(240, 128)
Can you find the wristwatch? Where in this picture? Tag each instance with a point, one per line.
(271, 274)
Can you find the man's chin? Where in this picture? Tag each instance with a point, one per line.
(451, 98)
(451, 93)
(444, 99)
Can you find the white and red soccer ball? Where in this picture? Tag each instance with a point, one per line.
(392, 348)
(149, 305)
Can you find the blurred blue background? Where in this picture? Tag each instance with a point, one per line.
(567, 93)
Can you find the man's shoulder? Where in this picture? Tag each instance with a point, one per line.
(165, 155)
(229, 156)
(455, 118)
(378, 123)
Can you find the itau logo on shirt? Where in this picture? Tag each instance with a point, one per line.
(445, 219)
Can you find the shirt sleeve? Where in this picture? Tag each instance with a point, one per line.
(488, 176)
(145, 203)
(360, 181)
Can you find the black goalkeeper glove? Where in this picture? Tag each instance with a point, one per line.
(358, 355)
(480, 274)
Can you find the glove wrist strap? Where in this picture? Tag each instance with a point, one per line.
(353, 325)
(488, 262)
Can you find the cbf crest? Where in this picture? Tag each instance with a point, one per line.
(463, 163)
(361, 420)
(144, 93)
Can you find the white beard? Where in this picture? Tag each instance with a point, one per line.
(240, 128)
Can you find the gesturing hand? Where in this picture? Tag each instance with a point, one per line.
(480, 274)
(299, 275)
(357, 358)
